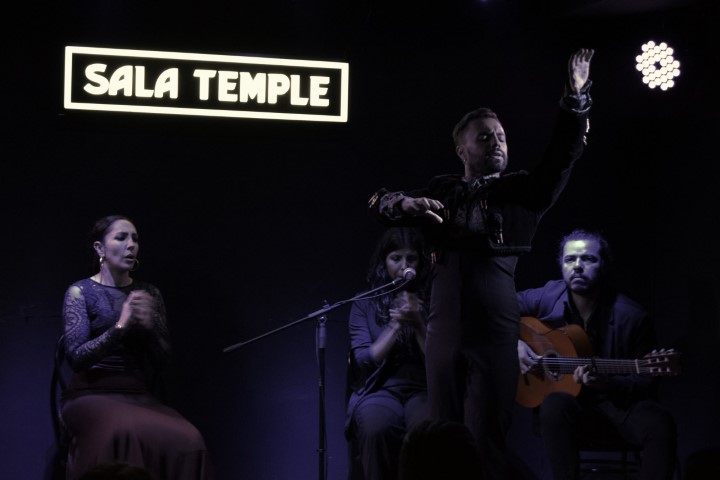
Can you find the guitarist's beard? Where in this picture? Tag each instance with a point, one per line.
(584, 286)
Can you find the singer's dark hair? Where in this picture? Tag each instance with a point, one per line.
(481, 112)
(395, 238)
(97, 234)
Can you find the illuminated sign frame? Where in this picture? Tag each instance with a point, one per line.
(175, 83)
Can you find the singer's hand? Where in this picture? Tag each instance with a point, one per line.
(579, 68)
(422, 207)
(407, 309)
(139, 308)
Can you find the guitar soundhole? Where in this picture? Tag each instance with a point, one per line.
(551, 368)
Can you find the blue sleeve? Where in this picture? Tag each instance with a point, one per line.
(529, 302)
(361, 338)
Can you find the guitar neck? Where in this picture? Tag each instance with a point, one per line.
(601, 365)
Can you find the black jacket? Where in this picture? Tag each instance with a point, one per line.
(511, 205)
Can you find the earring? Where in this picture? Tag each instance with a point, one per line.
(137, 265)
(101, 261)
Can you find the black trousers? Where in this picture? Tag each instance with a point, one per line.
(471, 349)
(380, 422)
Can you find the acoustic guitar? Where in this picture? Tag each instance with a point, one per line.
(566, 348)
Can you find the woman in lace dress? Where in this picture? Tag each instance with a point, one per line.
(116, 339)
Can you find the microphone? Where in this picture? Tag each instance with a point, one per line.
(407, 274)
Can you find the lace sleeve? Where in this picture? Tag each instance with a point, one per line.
(82, 350)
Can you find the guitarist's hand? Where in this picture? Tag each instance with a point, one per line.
(527, 357)
(586, 376)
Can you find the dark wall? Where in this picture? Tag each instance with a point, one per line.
(249, 225)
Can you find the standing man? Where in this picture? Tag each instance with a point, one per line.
(616, 327)
(478, 223)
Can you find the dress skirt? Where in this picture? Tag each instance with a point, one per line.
(113, 418)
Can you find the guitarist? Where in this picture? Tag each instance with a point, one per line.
(616, 327)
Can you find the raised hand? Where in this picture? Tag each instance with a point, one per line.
(579, 68)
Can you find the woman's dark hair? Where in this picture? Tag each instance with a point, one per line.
(396, 238)
(97, 234)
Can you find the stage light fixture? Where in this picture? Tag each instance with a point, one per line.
(658, 66)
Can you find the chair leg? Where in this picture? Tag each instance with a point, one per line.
(617, 463)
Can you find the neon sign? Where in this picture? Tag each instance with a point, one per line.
(140, 81)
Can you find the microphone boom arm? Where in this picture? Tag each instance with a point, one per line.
(397, 283)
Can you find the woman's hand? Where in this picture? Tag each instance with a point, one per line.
(407, 309)
(139, 308)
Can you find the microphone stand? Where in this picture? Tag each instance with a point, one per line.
(397, 283)
(320, 340)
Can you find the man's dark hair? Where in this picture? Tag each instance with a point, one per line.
(606, 254)
(481, 112)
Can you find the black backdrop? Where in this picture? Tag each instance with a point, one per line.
(248, 225)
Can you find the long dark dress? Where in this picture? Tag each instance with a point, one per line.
(108, 408)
